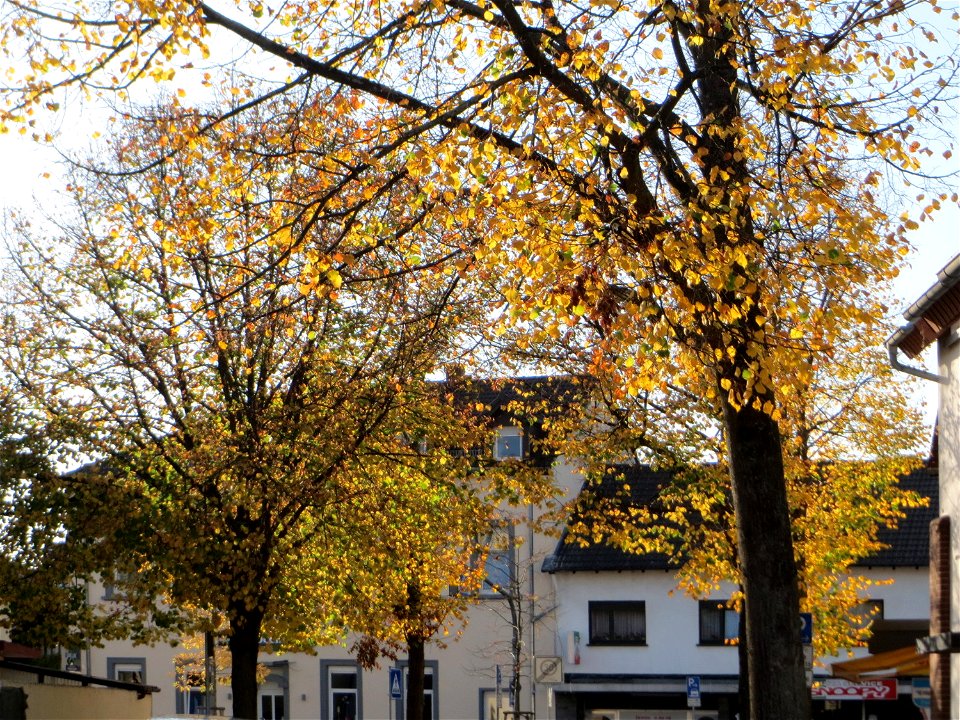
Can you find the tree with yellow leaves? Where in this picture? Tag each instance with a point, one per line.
(652, 170)
(250, 379)
(850, 434)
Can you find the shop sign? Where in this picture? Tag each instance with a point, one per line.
(836, 689)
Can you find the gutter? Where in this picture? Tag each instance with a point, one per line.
(946, 279)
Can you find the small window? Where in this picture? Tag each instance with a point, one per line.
(272, 706)
(618, 623)
(431, 708)
(719, 625)
(191, 697)
(131, 670)
(498, 561)
(509, 444)
(110, 589)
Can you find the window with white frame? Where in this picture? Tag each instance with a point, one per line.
(112, 585)
(496, 551)
(508, 444)
(191, 698)
(618, 622)
(341, 690)
(719, 624)
(131, 670)
(272, 705)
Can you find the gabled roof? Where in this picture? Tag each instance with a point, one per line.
(908, 545)
(571, 556)
(551, 392)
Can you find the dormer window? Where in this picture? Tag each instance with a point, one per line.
(509, 444)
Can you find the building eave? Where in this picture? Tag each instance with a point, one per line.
(932, 315)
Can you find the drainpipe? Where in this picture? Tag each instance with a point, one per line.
(945, 280)
(531, 581)
(893, 349)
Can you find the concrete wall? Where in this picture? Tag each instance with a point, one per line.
(673, 630)
(59, 702)
(949, 419)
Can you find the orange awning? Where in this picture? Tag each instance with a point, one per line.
(905, 662)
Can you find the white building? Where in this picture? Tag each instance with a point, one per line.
(632, 640)
(625, 639)
(934, 319)
(462, 675)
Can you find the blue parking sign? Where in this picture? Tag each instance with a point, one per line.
(806, 628)
(693, 687)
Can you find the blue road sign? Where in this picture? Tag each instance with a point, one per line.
(693, 687)
(806, 628)
(396, 683)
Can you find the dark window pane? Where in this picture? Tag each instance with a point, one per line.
(195, 702)
(711, 623)
(344, 706)
(343, 680)
(618, 622)
(719, 625)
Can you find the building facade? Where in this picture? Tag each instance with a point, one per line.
(934, 320)
(633, 641)
(605, 636)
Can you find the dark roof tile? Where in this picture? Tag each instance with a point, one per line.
(571, 556)
(908, 545)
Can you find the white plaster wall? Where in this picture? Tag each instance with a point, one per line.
(673, 630)
(949, 418)
(908, 598)
(673, 620)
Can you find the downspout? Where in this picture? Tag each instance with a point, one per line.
(893, 348)
(532, 587)
(946, 279)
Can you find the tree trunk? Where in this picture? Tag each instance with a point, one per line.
(743, 682)
(416, 668)
(778, 689)
(516, 644)
(244, 649)
(416, 660)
